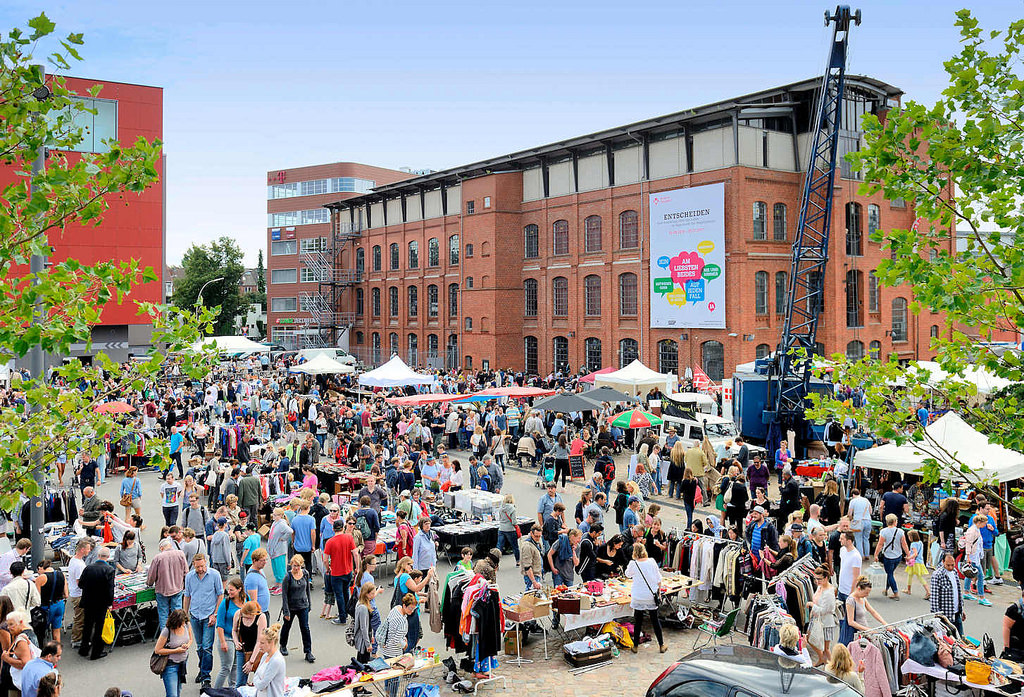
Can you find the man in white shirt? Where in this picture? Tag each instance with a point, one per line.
(812, 521)
(75, 569)
(859, 510)
(850, 562)
(17, 553)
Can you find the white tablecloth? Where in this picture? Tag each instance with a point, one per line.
(595, 615)
(941, 673)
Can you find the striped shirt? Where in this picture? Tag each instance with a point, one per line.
(398, 627)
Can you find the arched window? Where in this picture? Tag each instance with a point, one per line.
(761, 293)
(560, 352)
(469, 282)
(592, 296)
(592, 233)
(452, 350)
(560, 237)
(432, 347)
(874, 300)
(395, 261)
(376, 257)
(414, 254)
(854, 292)
(854, 241)
(530, 297)
(779, 222)
(375, 302)
(855, 350)
(432, 301)
(560, 297)
(393, 343)
(433, 252)
(531, 241)
(629, 230)
(530, 355)
(360, 261)
(629, 351)
(899, 319)
(592, 347)
(668, 356)
(359, 337)
(762, 351)
(469, 324)
(414, 347)
(375, 355)
(627, 295)
(468, 363)
(712, 358)
(875, 350)
(760, 220)
(781, 292)
(934, 331)
(874, 219)
(359, 302)
(393, 302)
(453, 300)
(453, 250)
(413, 301)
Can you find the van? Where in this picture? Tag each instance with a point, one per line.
(694, 416)
(340, 355)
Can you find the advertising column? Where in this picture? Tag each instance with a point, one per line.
(688, 258)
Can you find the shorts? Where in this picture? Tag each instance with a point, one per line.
(279, 566)
(56, 614)
(222, 569)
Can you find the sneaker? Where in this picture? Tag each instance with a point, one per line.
(275, 591)
(995, 582)
(970, 596)
(985, 601)
(310, 658)
(337, 620)
(284, 650)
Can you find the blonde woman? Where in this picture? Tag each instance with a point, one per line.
(676, 468)
(789, 638)
(268, 674)
(478, 442)
(840, 665)
(363, 624)
(822, 631)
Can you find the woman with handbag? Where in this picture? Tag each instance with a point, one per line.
(53, 591)
(646, 594)
(822, 631)
(131, 492)
(172, 645)
(249, 624)
(295, 605)
(508, 531)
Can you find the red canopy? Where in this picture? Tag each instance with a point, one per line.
(416, 400)
(515, 391)
(590, 378)
(114, 408)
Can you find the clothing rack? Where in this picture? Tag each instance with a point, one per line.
(725, 540)
(919, 618)
(798, 565)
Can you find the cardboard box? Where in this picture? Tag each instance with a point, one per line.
(541, 607)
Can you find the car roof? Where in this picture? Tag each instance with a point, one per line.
(758, 671)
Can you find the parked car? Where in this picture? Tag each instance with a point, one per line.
(340, 355)
(744, 671)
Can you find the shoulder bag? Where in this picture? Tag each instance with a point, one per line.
(659, 598)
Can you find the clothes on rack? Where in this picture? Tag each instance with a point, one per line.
(796, 588)
(765, 615)
(891, 647)
(713, 561)
(59, 506)
(472, 618)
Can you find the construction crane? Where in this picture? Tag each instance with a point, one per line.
(789, 374)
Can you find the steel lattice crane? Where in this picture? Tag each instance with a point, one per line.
(790, 373)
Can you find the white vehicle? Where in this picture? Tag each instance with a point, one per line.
(694, 415)
(340, 355)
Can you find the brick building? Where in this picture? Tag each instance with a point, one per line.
(301, 283)
(540, 258)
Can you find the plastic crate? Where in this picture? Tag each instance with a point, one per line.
(145, 596)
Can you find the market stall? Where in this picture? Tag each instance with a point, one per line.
(596, 603)
(132, 595)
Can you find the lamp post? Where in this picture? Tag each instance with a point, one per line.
(199, 298)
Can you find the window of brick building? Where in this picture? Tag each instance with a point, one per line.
(712, 358)
(413, 301)
(375, 302)
(359, 301)
(360, 261)
(393, 302)
(432, 301)
(855, 350)
(395, 259)
(433, 252)
(629, 230)
(779, 222)
(414, 345)
(762, 351)
(761, 293)
(530, 297)
(453, 300)
(560, 352)
(874, 300)
(592, 233)
(781, 292)
(393, 343)
(592, 295)
(414, 255)
(592, 346)
(560, 297)
(375, 355)
(376, 257)
(668, 356)
(627, 295)
(854, 295)
(854, 239)
(560, 237)
(530, 355)
(629, 351)
(760, 220)
(453, 250)
(899, 319)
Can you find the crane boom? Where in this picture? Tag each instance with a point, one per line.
(790, 373)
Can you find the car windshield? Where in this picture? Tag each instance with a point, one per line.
(726, 430)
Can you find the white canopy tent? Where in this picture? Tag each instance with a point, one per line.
(986, 382)
(638, 379)
(395, 373)
(231, 344)
(953, 435)
(322, 365)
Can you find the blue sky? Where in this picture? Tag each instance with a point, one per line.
(255, 86)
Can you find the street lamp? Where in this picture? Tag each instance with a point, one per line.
(199, 298)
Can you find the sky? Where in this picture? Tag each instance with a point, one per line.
(256, 86)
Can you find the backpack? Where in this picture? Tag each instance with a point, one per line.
(728, 494)
(609, 472)
(363, 526)
(382, 632)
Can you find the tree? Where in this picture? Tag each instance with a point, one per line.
(969, 142)
(59, 306)
(203, 263)
(261, 278)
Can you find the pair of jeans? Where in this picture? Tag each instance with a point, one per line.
(979, 581)
(890, 566)
(415, 633)
(340, 584)
(164, 605)
(240, 678)
(675, 489)
(528, 584)
(513, 541)
(863, 540)
(170, 515)
(689, 514)
(845, 630)
(203, 634)
(227, 662)
(303, 617)
(172, 679)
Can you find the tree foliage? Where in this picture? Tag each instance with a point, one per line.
(959, 162)
(203, 263)
(46, 420)
(261, 277)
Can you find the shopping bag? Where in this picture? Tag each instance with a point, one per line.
(108, 629)
(416, 689)
(698, 498)
(619, 634)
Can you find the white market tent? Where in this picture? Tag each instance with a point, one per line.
(955, 436)
(637, 379)
(395, 373)
(986, 382)
(231, 344)
(322, 365)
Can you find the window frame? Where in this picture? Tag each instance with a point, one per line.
(393, 302)
(668, 356)
(593, 353)
(629, 294)
(629, 224)
(531, 362)
(294, 270)
(592, 234)
(776, 227)
(899, 306)
(629, 350)
(854, 229)
(453, 299)
(560, 238)
(560, 349)
(394, 257)
(592, 295)
(412, 302)
(295, 304)
(433, 303)
(560, 287)
(759, 218)
(453, 250)
(413, 254)
(293, 244)
(761, 293)
(531, 292)
(433, 253)
(377, 258)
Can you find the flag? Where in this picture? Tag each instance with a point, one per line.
(701, 381)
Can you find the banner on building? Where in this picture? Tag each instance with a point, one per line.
(688, 257)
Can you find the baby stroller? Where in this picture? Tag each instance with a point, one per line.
(547, 473)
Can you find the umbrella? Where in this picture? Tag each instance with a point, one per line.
(635, 418)
(567, 402)
(606, 394)
(115, 408)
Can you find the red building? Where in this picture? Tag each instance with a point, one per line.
(541, 258)
(302, 284)
(132, 227)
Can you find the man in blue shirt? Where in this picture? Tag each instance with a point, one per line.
(922, 414)
(988, 539)
(304, 526)
(175, 447)
(629, 516)
(203, 593)
(37, 668)
(546, 505)
(256, 587)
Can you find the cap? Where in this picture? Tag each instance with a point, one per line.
(634, 499)
(759, 509)
(796, 527)
(405, 493)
